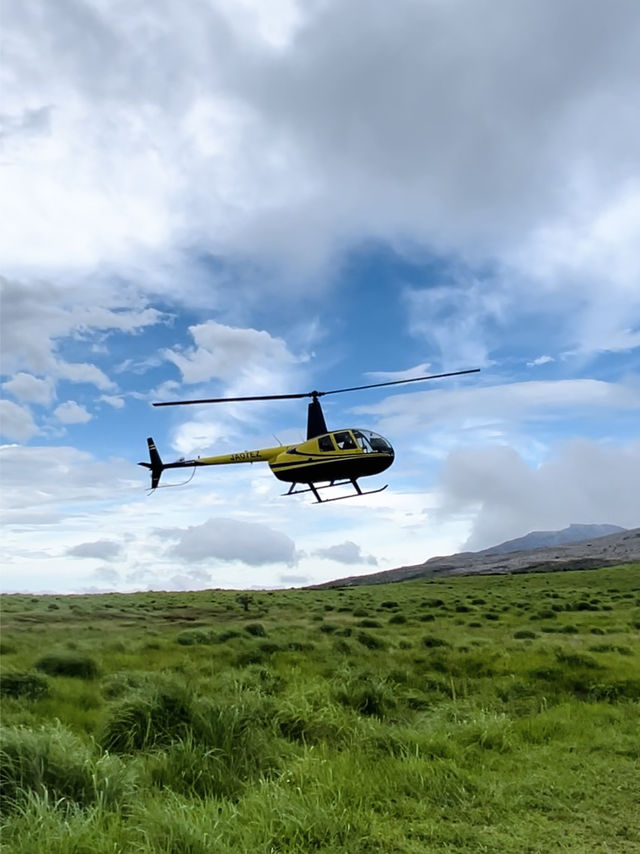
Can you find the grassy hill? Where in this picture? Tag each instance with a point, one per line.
(492, 713)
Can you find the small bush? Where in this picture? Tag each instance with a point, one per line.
(25, 684)
(328, 628)
(370, 624)
(149, 718)
(55, 763)
(370, 641)
(257, 630)
(7, 648)
(397, 619)
(191, 637)
(431, 641)
(523, 634)
(65, 664)
(367, 696)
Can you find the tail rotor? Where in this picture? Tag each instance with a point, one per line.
(155, 464)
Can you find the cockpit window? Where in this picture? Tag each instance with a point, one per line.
(325, 443)
(372, 442)
(344, 441)
(362, 440)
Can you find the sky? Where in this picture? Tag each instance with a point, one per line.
(229, 197)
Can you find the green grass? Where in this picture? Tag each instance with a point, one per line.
(468, 714)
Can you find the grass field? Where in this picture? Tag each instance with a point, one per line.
(491, 714)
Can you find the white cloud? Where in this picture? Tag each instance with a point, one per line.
(71, 412)
(233, 540)
(347, 552)
(101, 549)
(16, 422)
(113, 400)
(30, 389)
(513, 402)
(581, 481)
(232, 355)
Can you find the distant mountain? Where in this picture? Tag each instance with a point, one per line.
(595, 552)
(547, 539)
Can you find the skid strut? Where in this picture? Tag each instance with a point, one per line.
(315, 489)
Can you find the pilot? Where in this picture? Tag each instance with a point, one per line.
(345, 442)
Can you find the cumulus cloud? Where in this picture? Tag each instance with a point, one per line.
(101, 549)
(71, 412)
(30, 389)
(438, 122)
(16, 422)
(39, 477)
(39, 318)
(581, 482)
(233, 540)
(346, 552)
(513, 402)
(222, 352)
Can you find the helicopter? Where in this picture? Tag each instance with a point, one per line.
(326, 459)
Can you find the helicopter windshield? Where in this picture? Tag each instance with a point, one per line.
(372, 442)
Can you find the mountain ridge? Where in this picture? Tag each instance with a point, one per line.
(574, 533)
(617, 548)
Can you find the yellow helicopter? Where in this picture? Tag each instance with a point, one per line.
(326, 459)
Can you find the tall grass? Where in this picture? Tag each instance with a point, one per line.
(349, 721)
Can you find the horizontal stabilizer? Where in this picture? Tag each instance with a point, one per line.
(155, 465)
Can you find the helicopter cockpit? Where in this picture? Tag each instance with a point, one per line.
(347, 440)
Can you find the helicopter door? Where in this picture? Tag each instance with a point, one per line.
(344, 441)
(362, 441)
(325, 443)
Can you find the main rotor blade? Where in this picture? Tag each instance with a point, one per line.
(402, 382)
(237, 399)
(314, 394)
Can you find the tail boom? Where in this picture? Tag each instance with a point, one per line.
(156, 466)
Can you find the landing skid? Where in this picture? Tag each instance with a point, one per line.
(316, 490)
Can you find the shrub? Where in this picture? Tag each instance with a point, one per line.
(150, 717)
(257, 630)
(53, 762)
(431, 641)
(370, 641)
(66, 664)
(370, 624)
(397, 619)
(523, 634)
(367, 696)
(191, 637)
(389, 604)
(328, 628)
(25, 684)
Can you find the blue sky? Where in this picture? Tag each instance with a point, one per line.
(227, 198)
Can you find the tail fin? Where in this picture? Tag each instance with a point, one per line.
(155, 465)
